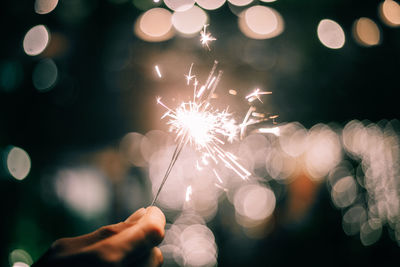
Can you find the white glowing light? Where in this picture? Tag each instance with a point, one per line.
(18, 163)
(331, 34)
(179, 5)
(191, 21)
(158, 71)
(206, 38)
(45, 6)
(210, 4)
(36, 40)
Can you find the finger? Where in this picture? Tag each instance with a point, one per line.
(146, 233)
(76, 243)
(154, 259)
(136, 215)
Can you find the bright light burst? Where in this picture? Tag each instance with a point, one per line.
(206, 128)
(206, 37)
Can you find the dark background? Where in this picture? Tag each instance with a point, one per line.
(103, 92)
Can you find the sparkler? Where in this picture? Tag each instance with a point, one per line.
(205, 128)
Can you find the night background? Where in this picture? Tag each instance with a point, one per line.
(81, 140)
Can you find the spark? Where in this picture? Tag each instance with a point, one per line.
(232, 92)
(256, 95)
(206, 37)
(189, 76)
(158, 71)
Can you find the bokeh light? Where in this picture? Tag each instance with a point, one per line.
(191, 21)
(179, 5)
(261, 22)
(45, 75)
(45, 6)
(331, 34)
(18, 163)
(130, 148)
(36, 40)
(324, 151)
(389, 12)
(145, 4)
(210, 4)
(189, 242)
(366, 32)
(254, 202)
(240, 2)
(293, 139)
(83, 190)
(154, 25)
(20, 258)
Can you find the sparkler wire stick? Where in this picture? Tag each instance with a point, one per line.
(177, 151)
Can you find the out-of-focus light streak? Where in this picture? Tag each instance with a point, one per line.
(274, 130)
(158, 71)
(188, 193)
(206, 37)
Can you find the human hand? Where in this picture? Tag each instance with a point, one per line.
(129, 243)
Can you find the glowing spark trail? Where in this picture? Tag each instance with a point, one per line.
(205, 37)
(158, 71)
(256, 95)
(189, 76)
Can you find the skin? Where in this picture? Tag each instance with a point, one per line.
(129, 243)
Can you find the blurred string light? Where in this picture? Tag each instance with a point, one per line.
(210, 4)
(154, 25)
(323, 152)
(371, 192)
(45, 75)
(189, 242)
(366, 32)
(36, 40)
(389, 11)
(83, 190)
(45, 6)
(331, 34)
(261, 22)
(20, 258)
(190, 21)
(179, 5)
(18, 163)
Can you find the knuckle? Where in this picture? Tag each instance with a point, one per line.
(159, 256)
(154, 233)
(108, 230)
